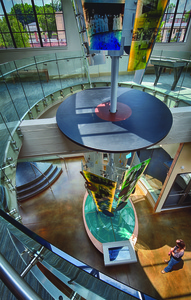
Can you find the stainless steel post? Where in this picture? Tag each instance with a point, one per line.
(114, 83)
(33, 262)
(16, 284)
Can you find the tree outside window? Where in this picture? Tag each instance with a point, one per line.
(175, 22)
(24, 29)
(20, 35)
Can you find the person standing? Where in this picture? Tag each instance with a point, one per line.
(175, 254)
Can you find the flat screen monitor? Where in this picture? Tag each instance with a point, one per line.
(119, 253)
(116, 253)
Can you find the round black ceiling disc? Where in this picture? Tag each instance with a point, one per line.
(141, 120)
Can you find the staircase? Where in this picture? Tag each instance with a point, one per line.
(32, 178)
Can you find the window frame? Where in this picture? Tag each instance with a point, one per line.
(173, 29)
(39, 31)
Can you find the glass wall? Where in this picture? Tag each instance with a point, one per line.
(180, 194)
(23, 83)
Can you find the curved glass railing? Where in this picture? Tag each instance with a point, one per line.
(24, 82)
(30, 86)
(56, 269)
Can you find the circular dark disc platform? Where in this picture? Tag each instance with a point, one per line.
(141, 120)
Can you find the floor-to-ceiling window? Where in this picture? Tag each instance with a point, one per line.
(31, 23)
(175, 22)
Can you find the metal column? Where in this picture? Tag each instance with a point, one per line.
(114, 83)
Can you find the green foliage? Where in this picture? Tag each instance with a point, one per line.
(171, 5)
(21, 39)
(24, 13)
(186, 16)
(57, 5)
(159, 35)
(46, 19)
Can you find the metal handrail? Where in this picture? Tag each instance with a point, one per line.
(36, 63)
(78, 265)
(15, 283)
(77, 57)
(170, 58)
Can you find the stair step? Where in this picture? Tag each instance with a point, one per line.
(29, 173)
(41, 181)
(38, 185)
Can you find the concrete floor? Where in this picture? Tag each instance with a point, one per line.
(56, 215)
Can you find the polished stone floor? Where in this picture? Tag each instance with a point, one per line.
(56, 215)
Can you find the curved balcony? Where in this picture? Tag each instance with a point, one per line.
(32, 89)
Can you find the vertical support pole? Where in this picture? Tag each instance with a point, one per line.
(111, 165)
(33, 262)
(114, 83)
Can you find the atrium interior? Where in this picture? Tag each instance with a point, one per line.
(34, 82)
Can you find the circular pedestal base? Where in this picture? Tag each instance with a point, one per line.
(103, 229)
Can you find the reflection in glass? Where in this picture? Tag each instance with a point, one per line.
(119, 253)
(3, 138)
(180, 194)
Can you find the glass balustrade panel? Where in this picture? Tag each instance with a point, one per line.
(72, 71)
(48, 76)
(32, 80)
(17, 103)
(24, 62)
(59, 267)
(4, 137)
(7, 67)
(12, 100)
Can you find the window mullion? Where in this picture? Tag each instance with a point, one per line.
(172, 27)
(189, 19)
(8, 24)
(37, 25)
